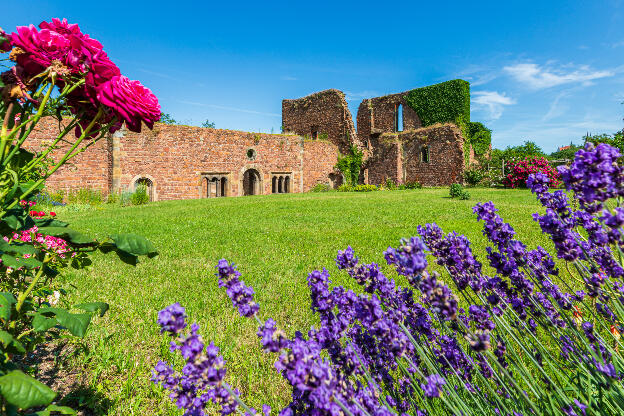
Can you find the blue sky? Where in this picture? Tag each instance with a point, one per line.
(547, 71)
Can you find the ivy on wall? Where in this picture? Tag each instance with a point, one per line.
(350, 165)
(449, 102)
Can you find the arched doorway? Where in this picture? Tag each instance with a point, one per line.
(148, 184)
(251, 182)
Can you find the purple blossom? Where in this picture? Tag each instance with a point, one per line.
(272, 339)
(346, 259)
(172, 319)
(409, 258)
(432, 386)
(241, 295)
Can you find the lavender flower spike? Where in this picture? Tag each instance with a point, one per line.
(241, 295)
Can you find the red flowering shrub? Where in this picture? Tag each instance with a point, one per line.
(519, 171)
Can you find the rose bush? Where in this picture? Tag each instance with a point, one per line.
(57, 71)
(519, 171)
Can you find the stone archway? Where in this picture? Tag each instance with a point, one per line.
(252, 182)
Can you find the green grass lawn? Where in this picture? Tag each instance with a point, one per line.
(275, 240)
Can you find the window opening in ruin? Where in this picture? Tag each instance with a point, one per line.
(148, 185)
(287, 184)
(274, 184)
(314, 134)
(280, 185)
(251, 154)
(215, 186)
(424, 154)
(398, 117)
(223, 186)
(251, 182)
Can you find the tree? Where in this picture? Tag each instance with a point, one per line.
(565, 153)
(615, 140)
(208, 124)
(167, 119)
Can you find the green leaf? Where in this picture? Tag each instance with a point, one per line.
(64, 410)
(24, 391)
(76, 323)
(133, 244)
(17, 219)
(49, 222)
(29, 263)
(42, 323)
(6, 301)
(10, 344)
(100, 307)
(68, 234)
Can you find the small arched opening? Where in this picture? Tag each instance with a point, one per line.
(335, 180)
(280, 185)
(424, 154)
(274, 184)
(251, 182)
(223, 186)
(287, 184)
(398, 117)
(148, 184)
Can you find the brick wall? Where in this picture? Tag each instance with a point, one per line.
(398, 156)
(178, 159)
(324, 112)
(377, 115)
(90, 169)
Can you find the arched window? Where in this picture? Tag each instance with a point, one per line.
(217, 188)
(251, 182)
(274, 184)
(287, 184)
(424, 154)
(280, 185)
(398, 117)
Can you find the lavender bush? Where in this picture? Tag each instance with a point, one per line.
(515, 338)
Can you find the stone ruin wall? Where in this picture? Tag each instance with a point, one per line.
(324, 112)
(398, 156)
(176, 159)
(377, 115)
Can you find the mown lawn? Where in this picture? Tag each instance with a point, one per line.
(276, 240)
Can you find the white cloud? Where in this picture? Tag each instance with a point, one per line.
(352, 96)
(556, 107)
(289, 78)
(493, 101)
(538, 77)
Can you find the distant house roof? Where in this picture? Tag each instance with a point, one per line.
(564, 148)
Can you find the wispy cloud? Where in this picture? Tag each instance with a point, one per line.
(537, 77)
(158, 74)
(557, 107)
(221, 107)
(288, 78)
(353, 96)
(493, 101)
(618, 44)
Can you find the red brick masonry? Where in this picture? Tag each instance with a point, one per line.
(181, 162)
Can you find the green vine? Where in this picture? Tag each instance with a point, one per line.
(350, 165)
(449, 102)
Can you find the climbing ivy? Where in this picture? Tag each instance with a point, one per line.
(449, 102)
(446, 102)
(350, 165)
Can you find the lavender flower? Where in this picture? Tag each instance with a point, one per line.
(272, 339)
(172, 319)
(241, 295)
(410, 259)
(346, 259)
(432, 386)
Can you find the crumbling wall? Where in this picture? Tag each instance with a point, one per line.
(399, 156)
(322, 115)
(378, 115)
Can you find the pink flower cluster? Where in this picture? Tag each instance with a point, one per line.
(48, 243)
(40, 214)
(23, 203)
(519, 171)
(61, 48)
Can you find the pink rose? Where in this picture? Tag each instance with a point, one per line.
(57, 40)
(131, 101)
(5, 41)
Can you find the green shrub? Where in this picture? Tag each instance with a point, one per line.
(84, 196)
(350, 165)
(456, 190)
(413, 185)
(320, 187)
(474, 175)
(365, 188)
(464, 195)
(389, 184)
(140, 195)
(345, 188)
(125, 198)
(113, 198)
